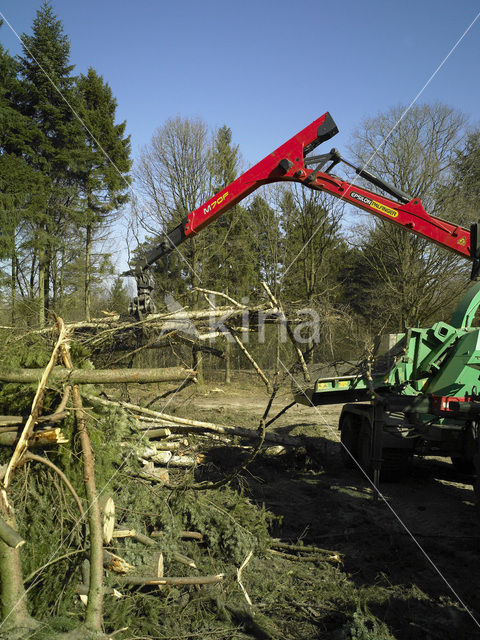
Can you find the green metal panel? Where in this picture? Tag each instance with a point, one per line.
(442, 360)
(465, 311)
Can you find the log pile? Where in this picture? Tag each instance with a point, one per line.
(163, 444)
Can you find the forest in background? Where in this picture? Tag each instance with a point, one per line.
(67, 177)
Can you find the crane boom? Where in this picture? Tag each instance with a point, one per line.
(291, 162)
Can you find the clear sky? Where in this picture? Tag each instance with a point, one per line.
(267, 68)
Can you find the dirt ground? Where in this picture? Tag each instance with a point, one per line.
(420, 540)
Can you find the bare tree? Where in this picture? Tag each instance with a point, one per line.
(411, 279)
(173, 179)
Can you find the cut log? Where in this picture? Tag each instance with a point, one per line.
(171, 446)
(161, 432)
(38, 439)
(107, 509)
(150, 453)
(115, 563)
(193, 535)
(179, 557)
(10, 423)
(277, 450)
(96, 376)
(153, 580)
(185, 462)
(154, 474)
(11, 537)
(160, 569)
(160, 565)
(184, 425)
(123, 533)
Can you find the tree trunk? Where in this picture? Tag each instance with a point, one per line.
(41, 289)
(46, 282)
(13, 286)
(94, 614)
(88, 267)
(96, 376)
(198, 364)
(228, 363)
(197, 356)
(13, 602)
(228, 357)
(61, 276)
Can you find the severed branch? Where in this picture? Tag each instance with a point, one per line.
(239, 577)
(22, 443)
(244, 350)
(154, 580)
(190, 535)
(221, 295)
(186, 425)
(303, 548)
(95, 376)
(94, 613)
(9, 536)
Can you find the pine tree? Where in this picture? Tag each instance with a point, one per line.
(105, 178)
(47, 99)
(229, 264)
(22, 188)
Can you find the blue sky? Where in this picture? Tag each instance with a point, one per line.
(267, 68)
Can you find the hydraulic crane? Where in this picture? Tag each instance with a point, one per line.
(293, 161)
(427, 399)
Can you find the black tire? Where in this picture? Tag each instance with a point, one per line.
(394, 461)
(394, 464)
(364, 456)
(462, 464)
(349, 441)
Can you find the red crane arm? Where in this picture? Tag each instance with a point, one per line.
(287, 164)
(291, 163)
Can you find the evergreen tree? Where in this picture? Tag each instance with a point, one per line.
(105, 172)
(47, 98)
(229, 261)
(268, 241)
(311, 241)
(118, 298)
(22, 188)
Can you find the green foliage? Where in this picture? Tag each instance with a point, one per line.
(364, 626)
(34, 352)
(58, 184)
(118, 299)
(312, 244)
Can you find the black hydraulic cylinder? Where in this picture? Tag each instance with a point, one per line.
(381, 184)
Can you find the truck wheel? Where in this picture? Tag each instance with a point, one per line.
(463, 464)
(394, 461)
(394, 464)
(365, 448)
(349, 442)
